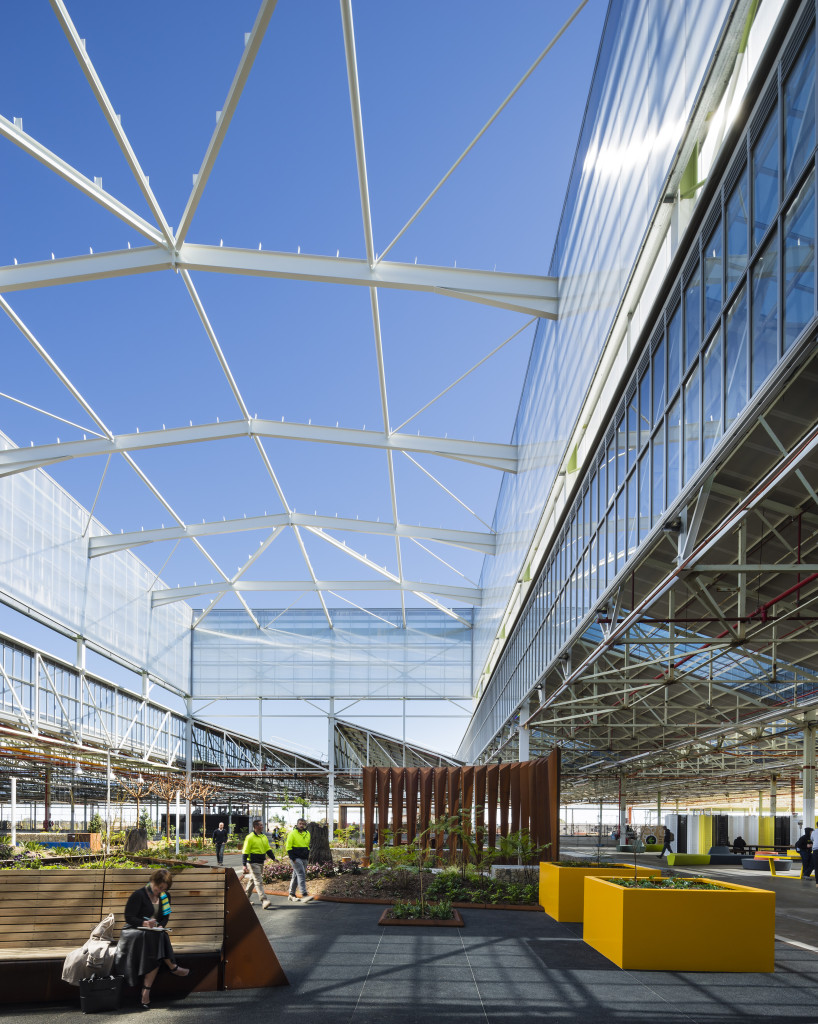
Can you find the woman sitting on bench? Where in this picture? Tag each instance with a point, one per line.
(144, 944)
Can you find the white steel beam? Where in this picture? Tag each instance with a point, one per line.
(472, 540)
(226, 114)
(469, 595)
(481, 453)
(114, 121)
(95, 267)
(523, 293)
(70, 174)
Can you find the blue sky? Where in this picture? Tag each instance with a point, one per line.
(430, 76)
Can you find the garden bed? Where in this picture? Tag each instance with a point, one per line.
(455, 921)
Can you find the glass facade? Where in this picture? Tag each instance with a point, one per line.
(652, 61)
(45, 566)
(698, 389)
(296, 654)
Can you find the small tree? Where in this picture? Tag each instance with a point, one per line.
(96, 824)
(166, 787)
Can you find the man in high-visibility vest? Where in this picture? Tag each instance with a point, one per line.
(298, 850)
(256, 848)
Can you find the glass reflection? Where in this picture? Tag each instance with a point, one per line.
(693, 317)
(764, 331)
(658, 475)
(765, 178)
(658, 375)
(736, 346)
(799, 112)
(674, 458)
(674, 354)
(799, 263)
(692, 420)
(712, 394)
(713, 260)
(737, 223)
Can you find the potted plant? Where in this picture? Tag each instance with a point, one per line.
(562, 883)
(678, 924)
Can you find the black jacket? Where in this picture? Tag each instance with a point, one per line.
(139, 907)
(220, 835)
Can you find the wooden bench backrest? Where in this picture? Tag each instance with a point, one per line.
(61, 908)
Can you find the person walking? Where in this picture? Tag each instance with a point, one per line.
(667, 839)
(298, 850)
(220, 837)
(804, 847)
(256, 848)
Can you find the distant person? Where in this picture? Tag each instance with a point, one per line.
(144, 944)
(298, 850)
(667, 839)
(256, 848)
(804, 847)
(276, 836)
(220, 837)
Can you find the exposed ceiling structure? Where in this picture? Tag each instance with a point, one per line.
(419, 528)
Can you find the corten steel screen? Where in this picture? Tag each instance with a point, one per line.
(493, 801)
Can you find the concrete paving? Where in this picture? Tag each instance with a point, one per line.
(504, 967)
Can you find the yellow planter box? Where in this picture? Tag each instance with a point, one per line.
(681, 929)
(562, 892)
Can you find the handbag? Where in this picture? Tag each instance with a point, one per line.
(99, 994)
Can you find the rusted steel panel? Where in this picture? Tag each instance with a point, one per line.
(440, 778)
(454, 796)
(525, 794)
(249, 960)
(492, 789)
(382, 775)
(425, 787)
(514, 797)
(480, 805)
(397, 776)
(412, 777)
(505, 789)
(369, 806)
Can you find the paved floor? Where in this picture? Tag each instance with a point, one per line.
(503, 967)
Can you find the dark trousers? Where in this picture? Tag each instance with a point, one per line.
(807, 861)
(220, 853)
(665, 847)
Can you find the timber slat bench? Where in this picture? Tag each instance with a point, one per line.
(45, 914)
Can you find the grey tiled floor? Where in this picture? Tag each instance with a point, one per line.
(502, 968)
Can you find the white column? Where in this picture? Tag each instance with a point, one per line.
(808, 776)
(188, 766)
(13, 810)
(659, 812)
(178, 812)
(108, 803)
(525, 735)
(623, 811)
(331, 763)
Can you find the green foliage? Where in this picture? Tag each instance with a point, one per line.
(343, 836)
(664, 883)
(144, 821)
(96, 824)
(451, 885)
(419, 910)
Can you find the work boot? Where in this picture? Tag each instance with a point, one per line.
(265, 904)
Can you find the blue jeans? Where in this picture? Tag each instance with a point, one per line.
(220, 853)
(299, 879)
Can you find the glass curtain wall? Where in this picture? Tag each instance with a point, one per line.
(746, 295)
(651, 64)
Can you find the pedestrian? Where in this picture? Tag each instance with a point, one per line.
(276, 836)
(804, 847)
(739, 846)
(667, 839)
(220, 837)
(256, 848)
(298, 850)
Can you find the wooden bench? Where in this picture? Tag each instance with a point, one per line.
(45, 914)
